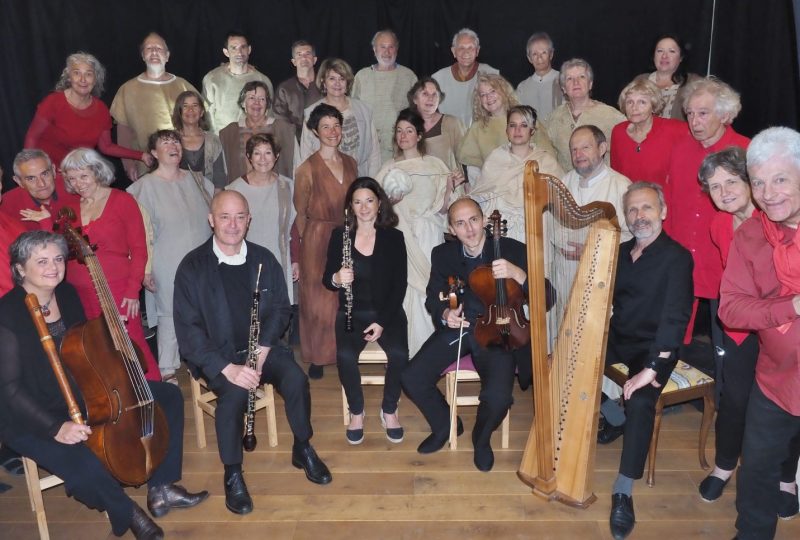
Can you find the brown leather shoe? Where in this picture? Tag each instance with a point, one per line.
(144, 528)
(160, 499)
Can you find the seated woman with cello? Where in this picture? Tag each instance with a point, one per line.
(479, 263)
(34, 411)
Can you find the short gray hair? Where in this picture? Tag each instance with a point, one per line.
(23, 247)
(539, 36)
(29, 154)
(573, 63)
(466, 32)
(87, 158)
(81, 57)
(387, 31)
(636, 186)
(727, 101)
(732, 160)
(774, 142)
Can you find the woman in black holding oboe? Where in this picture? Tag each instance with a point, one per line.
(368, 257)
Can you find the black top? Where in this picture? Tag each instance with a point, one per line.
(201, 313)
(30, 398)
(362, 287)
(239, 296)
(389, 268)
(652, 304)
(450, 259)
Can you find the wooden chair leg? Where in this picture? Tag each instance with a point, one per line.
(505, 430)
(345, 409)
(199, 425)
(708, 416)
(651, 453)
(272, 422)
(451, 389)
(35, 496)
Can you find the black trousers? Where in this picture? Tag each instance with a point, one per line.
(393, 341)
(771, 439)
(281, 371)
(85, 477)
(738, 374)
(494, 365)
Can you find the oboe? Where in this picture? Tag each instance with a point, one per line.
(347, 262)
(249, 440)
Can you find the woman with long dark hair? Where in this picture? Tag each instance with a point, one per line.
(373, 267)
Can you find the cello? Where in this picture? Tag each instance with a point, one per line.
(503, 322)
(129, 430)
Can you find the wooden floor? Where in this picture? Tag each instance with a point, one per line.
(386, 491)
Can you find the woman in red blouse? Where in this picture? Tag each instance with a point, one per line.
(723, 175)
(113, 222)
(641, 147)
(74, 116)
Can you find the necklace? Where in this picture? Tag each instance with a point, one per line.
(46, 308)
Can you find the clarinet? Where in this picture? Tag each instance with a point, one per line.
(249, 440)
(347, 262)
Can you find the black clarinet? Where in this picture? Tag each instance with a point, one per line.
(249, 440)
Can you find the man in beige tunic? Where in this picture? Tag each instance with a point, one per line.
(384, 86)
(144, 104)
(221, 85)
(542, 90)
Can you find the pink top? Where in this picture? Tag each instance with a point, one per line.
(58, 128)
(750, 298)
(690, 210)
(722, 237)
(648, 160)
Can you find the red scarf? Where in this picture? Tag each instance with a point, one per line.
(785, 257)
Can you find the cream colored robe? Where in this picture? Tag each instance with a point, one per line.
(423, 227)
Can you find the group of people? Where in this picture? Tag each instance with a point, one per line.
(345, 184)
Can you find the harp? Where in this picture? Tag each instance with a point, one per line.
(568, 343)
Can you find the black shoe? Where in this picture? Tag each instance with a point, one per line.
(308, 460)
(144, 528)
(711, 488)
(355, 436)
(395, 435)
(435, 441)
(237, 499)
(483, 458)
(315, 371)
(160, 499)
(622, 517)
(609, 433)
(788, 505)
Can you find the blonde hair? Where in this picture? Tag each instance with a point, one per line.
(642, 85)
(501, 86)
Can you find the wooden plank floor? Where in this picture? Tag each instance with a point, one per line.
(386, 491)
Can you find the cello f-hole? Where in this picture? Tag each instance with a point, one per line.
(117, 406)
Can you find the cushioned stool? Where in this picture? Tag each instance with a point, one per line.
(466, 373)
(685, 384)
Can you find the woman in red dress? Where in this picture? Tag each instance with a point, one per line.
(74, 116)
(113, 222)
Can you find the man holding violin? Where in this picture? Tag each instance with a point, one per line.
(495, 364)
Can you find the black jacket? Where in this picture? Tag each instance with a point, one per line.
(390, 270)
(201, 313)
(30, 398)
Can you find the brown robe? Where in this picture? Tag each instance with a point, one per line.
(319, 201)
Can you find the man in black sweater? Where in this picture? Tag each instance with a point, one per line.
(495, 365)
(652, 303)
(213, 297)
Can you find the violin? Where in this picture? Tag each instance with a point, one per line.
(503, 322)
(455, 288)
(129, 430)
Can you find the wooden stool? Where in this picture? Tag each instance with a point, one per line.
(466, 373)
(372, 354)
(35, 487)
(201, 403)
(685, 384)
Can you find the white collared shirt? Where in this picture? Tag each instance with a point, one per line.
(233, 260)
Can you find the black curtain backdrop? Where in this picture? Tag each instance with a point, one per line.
(753, 47)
